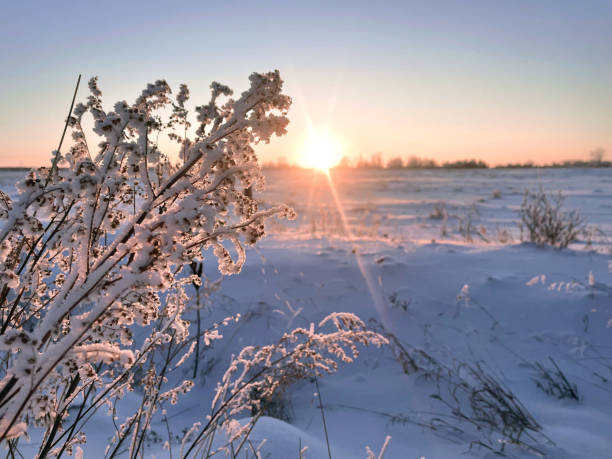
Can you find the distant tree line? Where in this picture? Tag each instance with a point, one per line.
(561, 164)
(425, 163)
(596, 159)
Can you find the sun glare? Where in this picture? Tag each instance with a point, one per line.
(320, 151)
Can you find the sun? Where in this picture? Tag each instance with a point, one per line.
(320, 151)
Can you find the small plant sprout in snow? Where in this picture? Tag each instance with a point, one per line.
(95, 248)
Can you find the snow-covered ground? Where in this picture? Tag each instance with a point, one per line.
(477, 321)
(416, 206)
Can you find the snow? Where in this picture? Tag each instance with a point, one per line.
(505, 306)
(532, 322)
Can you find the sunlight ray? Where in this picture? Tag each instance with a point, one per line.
(373, 287)
(311, 192)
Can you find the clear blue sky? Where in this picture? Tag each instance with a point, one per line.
(501, 81)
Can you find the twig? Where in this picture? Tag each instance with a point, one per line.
(323, 416)
(57, 153)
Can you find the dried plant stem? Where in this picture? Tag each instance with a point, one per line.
(57, 153)
(323, 417)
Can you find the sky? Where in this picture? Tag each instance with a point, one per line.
(502, 81)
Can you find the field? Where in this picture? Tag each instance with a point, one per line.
(496, 345)
(417, 206)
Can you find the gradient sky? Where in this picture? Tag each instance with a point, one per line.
(501, 81)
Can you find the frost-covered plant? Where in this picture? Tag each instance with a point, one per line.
(303, 353)
(92, 254)
(381, 454)
(544, 221)
(152, 379)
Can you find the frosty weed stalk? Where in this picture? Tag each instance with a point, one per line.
(96, 255)
(303, 353)
(95, 245)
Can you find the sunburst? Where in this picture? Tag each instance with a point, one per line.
(320, 151)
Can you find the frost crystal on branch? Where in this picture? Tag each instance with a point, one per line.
(257, 374)
(96, 247)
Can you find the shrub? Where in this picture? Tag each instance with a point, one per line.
(544, 221)
(95, 246)
(96, 254)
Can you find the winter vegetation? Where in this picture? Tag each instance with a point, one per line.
(546, 222)
(162, 296)
(396, 246)
(98, 251)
